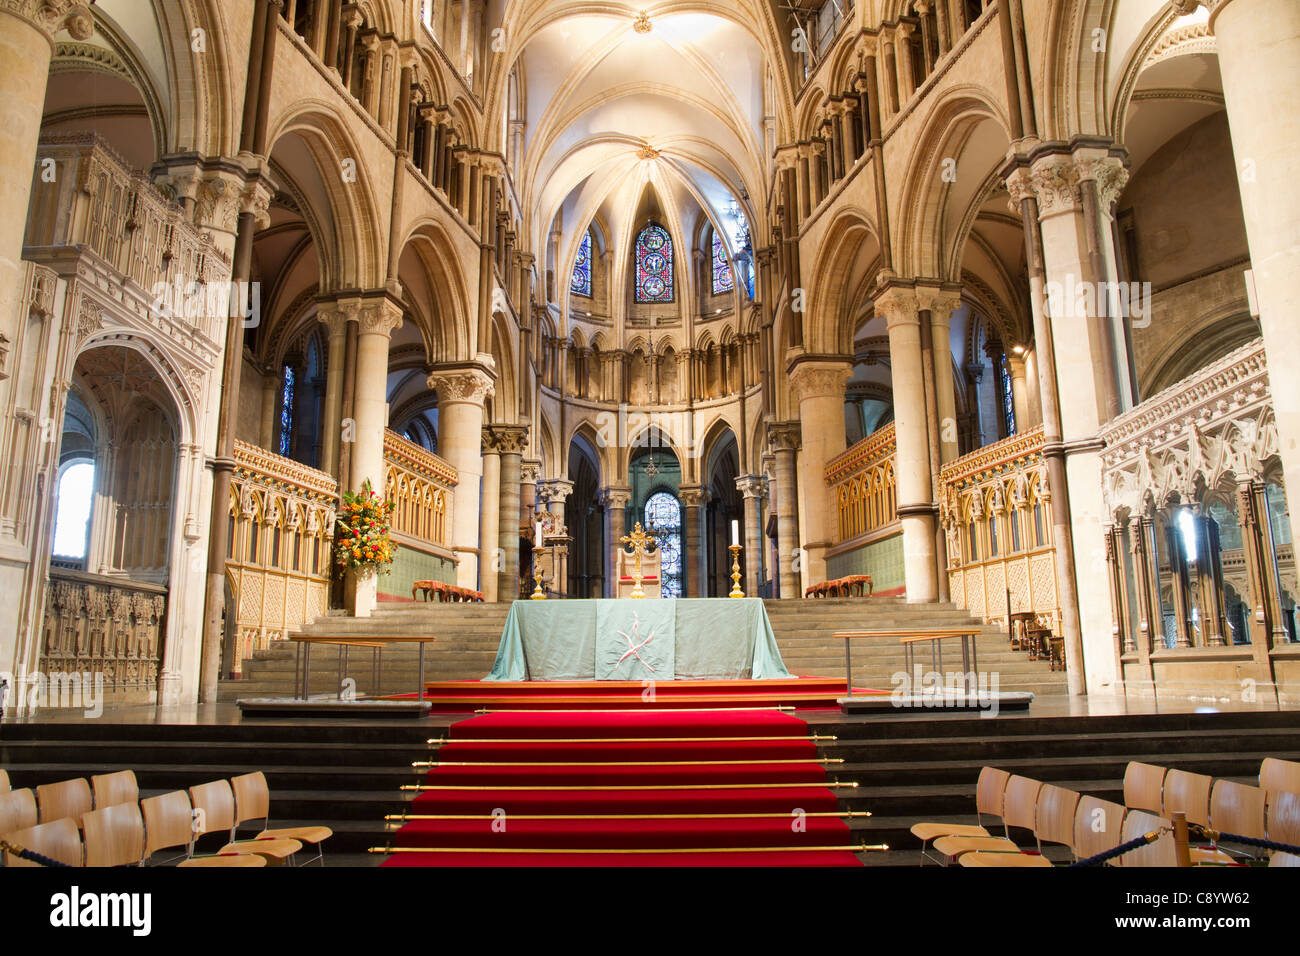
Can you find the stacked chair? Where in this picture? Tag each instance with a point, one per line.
(1089, 826)
(103, 822)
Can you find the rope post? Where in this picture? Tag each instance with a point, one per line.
(1182, 851)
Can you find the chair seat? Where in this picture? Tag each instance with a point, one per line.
(980, 858)
(957, 845)
(1208, 856)
(928, 831)
(277, 849)
(227, 859)
(304, 834)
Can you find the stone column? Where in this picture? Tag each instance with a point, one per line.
(916, 506)
(1077, 372)
(942, 303)
(529, 471)
(889, 63)
(615, 500)
(376, 320)
(785, 440)
(553, 493)
(1258, 46)
(462, 390)
(906, 76)
(754, 489)
(270, 403)
(691, 497)
(510, 440)
(335, 320)
(489, 517)
(818, 386)
(1019, 390)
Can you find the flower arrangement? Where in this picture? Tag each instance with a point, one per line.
(361, 532)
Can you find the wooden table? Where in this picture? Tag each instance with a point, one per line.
(303, 656)
(909, 637)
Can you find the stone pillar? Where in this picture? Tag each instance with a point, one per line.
(889, 63)
(906, 75)
(510, 440)
(489, 517)
(818, 386)
(916, 507)
(553, 493)
(1019, 390)
(270, 404)
(462, 390)
(691, 497)
(529, 471)
(1258, 45)
(615, 500)
(785, 440)
(26, 45)
(754, 489)
(942, 303)
(335, 320)
(376, 320)
(1078, 372)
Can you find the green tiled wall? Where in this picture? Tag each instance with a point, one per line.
(883, 560)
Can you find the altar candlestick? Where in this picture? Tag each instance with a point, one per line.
(537, 539)
(735, 533)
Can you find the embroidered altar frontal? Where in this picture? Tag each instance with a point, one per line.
(651, 639)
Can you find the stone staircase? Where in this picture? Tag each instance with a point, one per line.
(468, 634)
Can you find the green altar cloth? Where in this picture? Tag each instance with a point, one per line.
(631, 639)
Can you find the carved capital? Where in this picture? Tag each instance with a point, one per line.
(464, 383)
(1110, 176)
(616, 498)
(530, 470)
(554, 490)
(941, 303)
(51, 16)
(505, 439)
(752, 486)
(898, 305)
(1055, 184)
(379, 318)
(691, 496)
(784, 436)
(819, 380)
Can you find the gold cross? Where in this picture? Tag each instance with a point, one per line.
(638, 539)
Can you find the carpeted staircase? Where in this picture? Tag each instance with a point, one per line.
(630, 788)
(468, 634)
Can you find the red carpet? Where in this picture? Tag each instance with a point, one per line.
(468, 696)
(626, 788)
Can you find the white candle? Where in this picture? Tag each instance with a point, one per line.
(735, 534)
(537, 541)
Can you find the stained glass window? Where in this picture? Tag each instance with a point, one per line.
(723, 280)
(654, 265)
(580, 283)
(663, 513)
(286, 412)
(1008, 396)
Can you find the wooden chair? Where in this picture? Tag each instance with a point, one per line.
(1144, 787)
(1234, 808)
(1020, 807)
(4, 781)
(253, 802)
(1190, 793)
(1098, 827)
(67, 798)
(227, 859)
(168, 824)
(1275, 774)
(110, 789)
(1054, 823)
(1284, 859)
(1159, 853)
(989, 790)
(58, 839)
(214, 812)
(1283, 817)
(17, 811)
(114, 835)
(1057, 808)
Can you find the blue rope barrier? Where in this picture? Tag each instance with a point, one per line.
(1119, 850)
(32, 855)
(1219, 837)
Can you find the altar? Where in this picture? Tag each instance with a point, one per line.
(640, 640)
